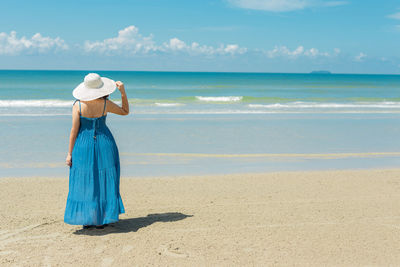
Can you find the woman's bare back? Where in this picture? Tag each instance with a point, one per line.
(93, 108)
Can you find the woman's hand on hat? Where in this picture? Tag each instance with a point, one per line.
(120, 86)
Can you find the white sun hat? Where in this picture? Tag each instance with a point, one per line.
(93, 86)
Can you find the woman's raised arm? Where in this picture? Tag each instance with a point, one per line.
(114, 108)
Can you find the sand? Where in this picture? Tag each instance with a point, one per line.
(346, 218)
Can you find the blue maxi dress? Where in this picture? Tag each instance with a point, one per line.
(94, 177)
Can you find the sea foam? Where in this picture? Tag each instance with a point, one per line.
(36, 103)
(299, 105)
(168, 104)
(219, 98)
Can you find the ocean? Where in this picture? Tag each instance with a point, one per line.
(188, 123)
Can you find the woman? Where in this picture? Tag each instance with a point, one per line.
(94, 199)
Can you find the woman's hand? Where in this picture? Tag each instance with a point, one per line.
(120, 86)
(68, 160)
(114, 108)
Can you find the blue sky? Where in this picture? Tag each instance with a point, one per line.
(217, 35)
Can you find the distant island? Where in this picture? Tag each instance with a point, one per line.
(321, 72)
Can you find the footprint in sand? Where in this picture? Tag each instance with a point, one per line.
(7, 234)
(172, 251)
(13, 237)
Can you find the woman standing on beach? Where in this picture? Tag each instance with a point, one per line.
(94, 176)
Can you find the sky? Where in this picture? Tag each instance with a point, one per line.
(351, 36)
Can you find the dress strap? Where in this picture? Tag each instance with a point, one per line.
(104, 109)
(79, 106)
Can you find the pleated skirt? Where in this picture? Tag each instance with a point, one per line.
(94, 178)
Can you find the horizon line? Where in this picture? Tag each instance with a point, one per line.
(184, 71)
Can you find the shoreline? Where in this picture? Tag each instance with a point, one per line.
(219, 175)
(313, 218)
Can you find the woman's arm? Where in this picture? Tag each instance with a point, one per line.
(73, 134)
(114, 108)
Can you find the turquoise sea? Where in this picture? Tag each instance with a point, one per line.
(208, 123)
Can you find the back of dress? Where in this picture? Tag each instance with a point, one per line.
(94, 197)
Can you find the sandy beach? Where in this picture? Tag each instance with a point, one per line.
(346, 218)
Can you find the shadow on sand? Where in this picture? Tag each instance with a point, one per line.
(134, 224)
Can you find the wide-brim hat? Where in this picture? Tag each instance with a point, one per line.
(94, 87)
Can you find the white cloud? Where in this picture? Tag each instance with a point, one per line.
(130, 41)
(336, 51)
(360, 57)
(283, 51)
(233, 49)
(394, 16)
(177, 45)
(283, 5)
(10, 44)
(313, 52)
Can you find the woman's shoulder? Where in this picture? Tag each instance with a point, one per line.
(76, 103)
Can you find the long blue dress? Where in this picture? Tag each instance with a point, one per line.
(94, 177)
